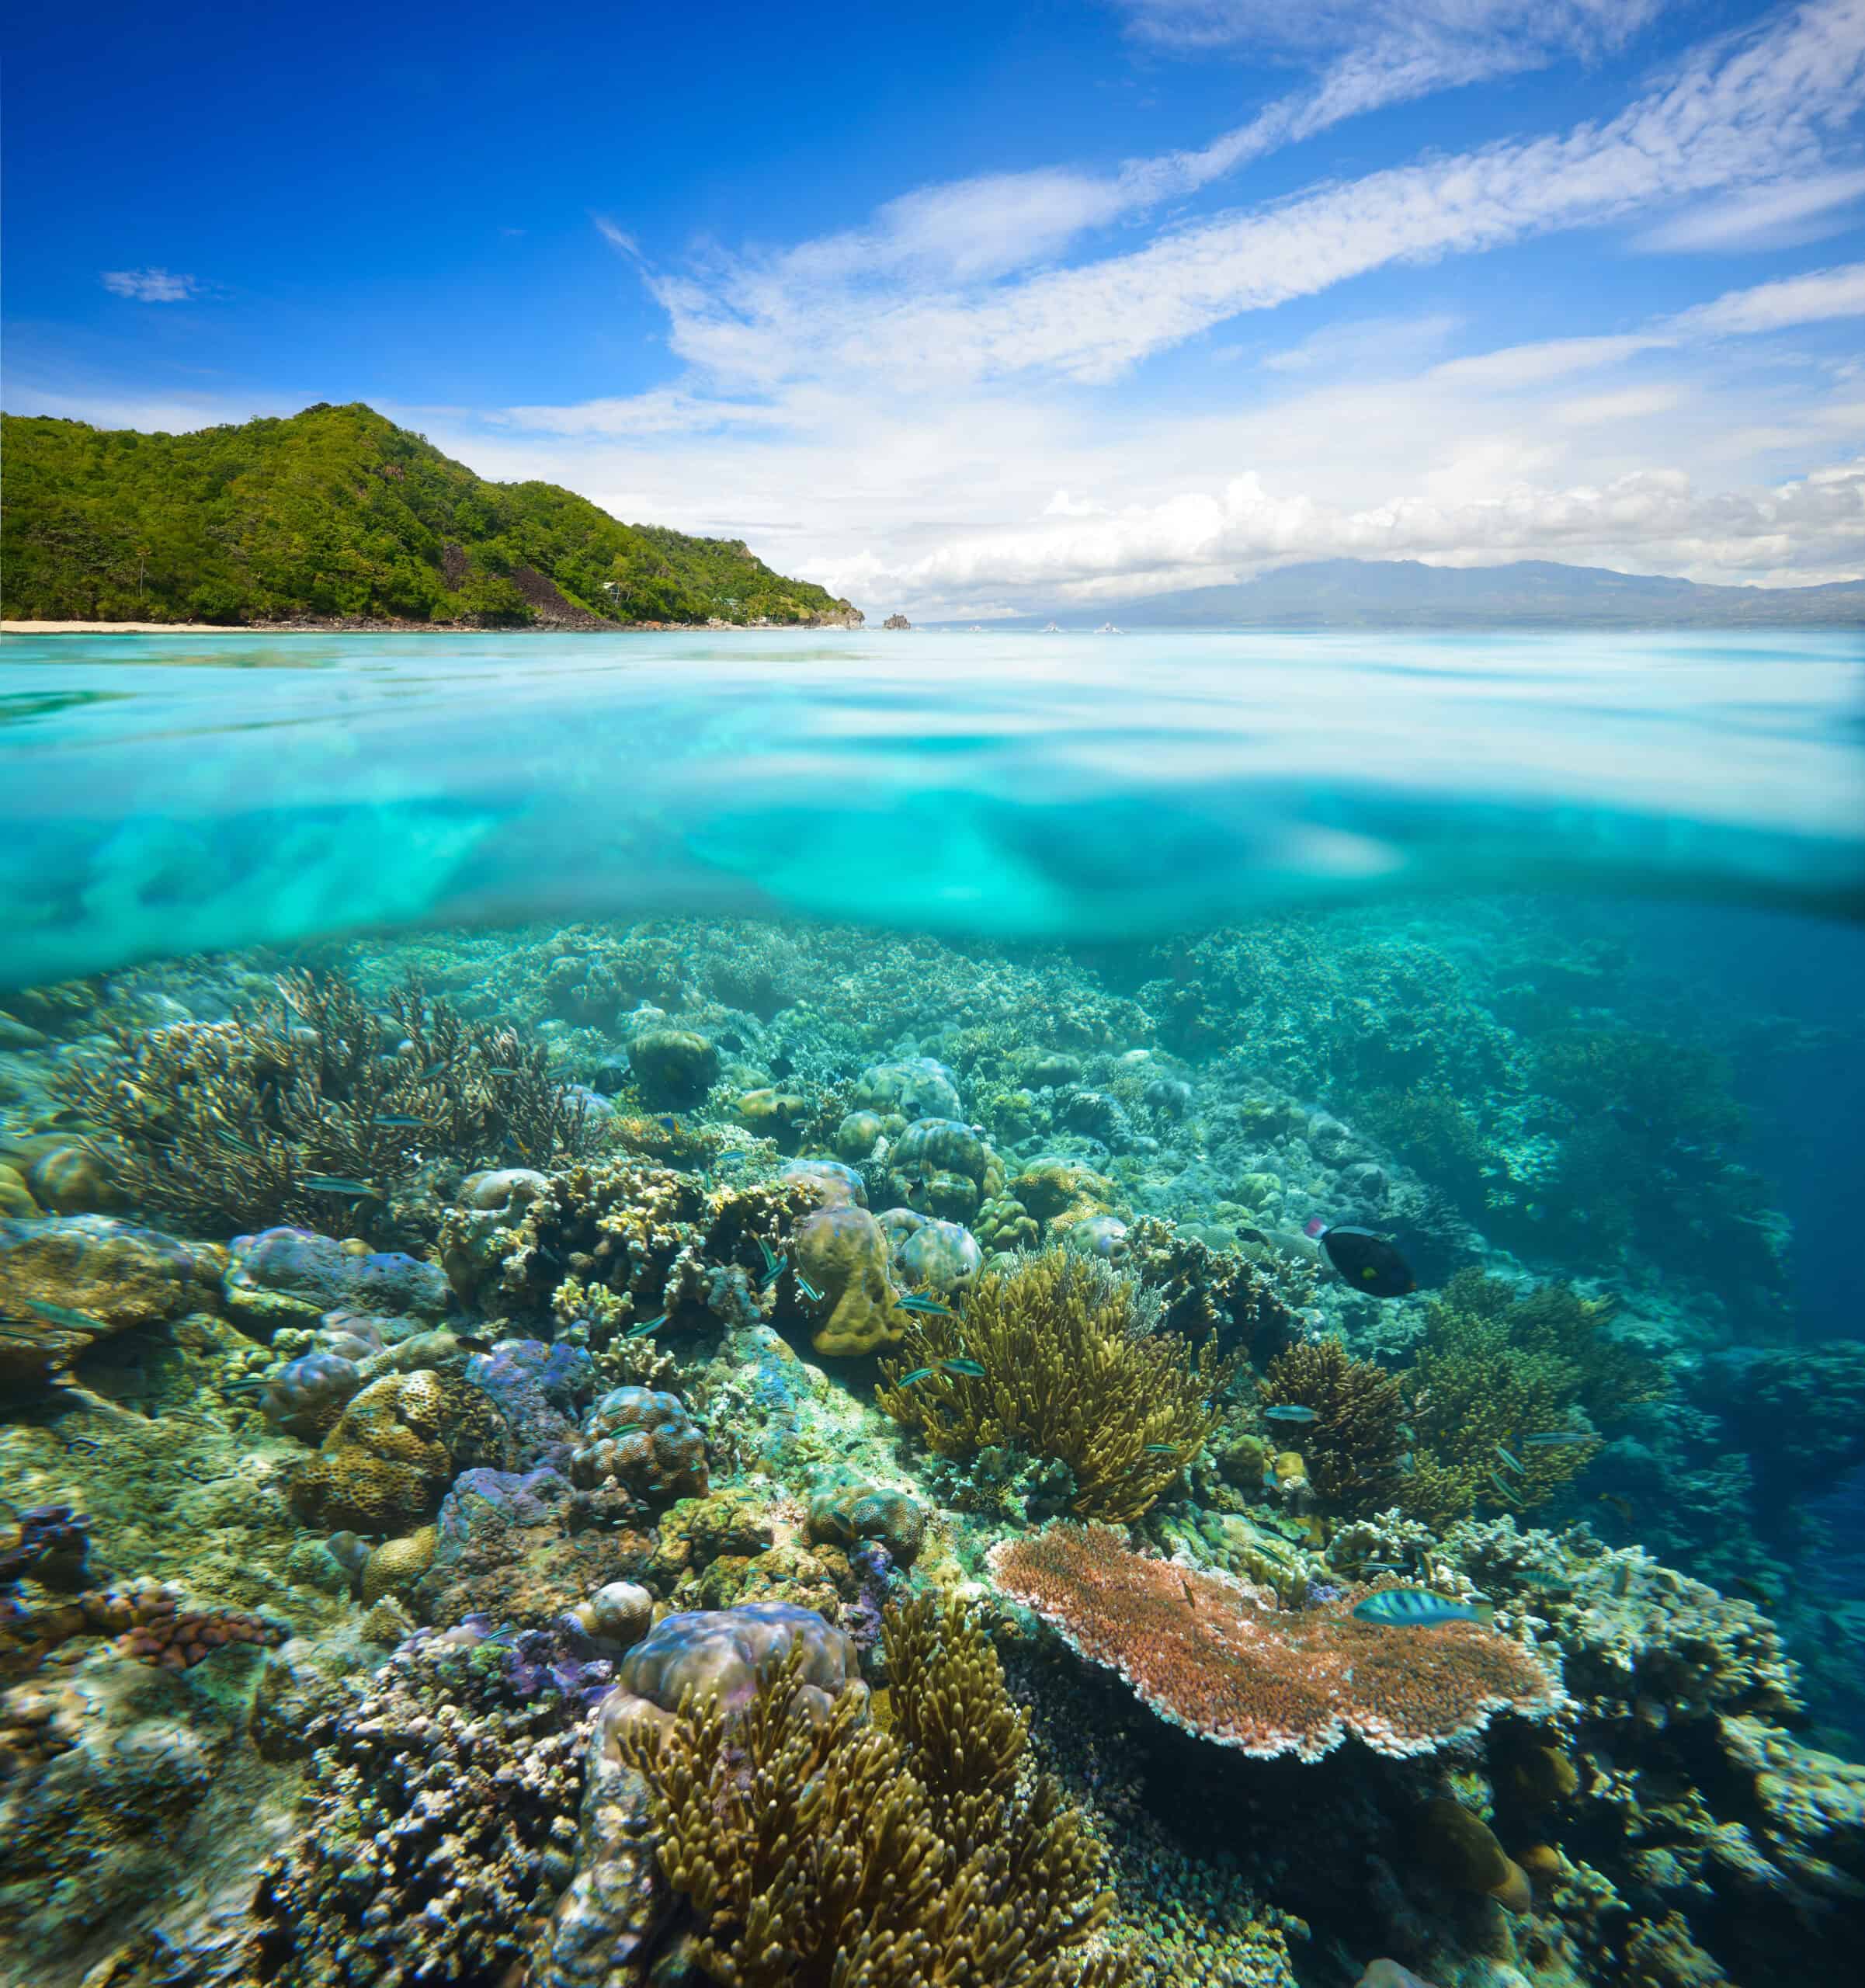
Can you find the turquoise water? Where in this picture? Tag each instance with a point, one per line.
(471, 1109)
(170, 793)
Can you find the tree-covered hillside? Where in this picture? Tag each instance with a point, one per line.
(337, 512)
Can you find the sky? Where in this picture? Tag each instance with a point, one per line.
(964, 310)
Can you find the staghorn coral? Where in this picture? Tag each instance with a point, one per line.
(1352, 1448)
(814, 1848)
(230, 1124)
(1205, 1656)
(394, 1450)
(1495, 1365)
(1066, 1376)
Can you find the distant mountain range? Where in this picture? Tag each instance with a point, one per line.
(1403, 593)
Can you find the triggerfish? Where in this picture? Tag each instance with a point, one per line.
(1367, 1262)
(1411, 1608)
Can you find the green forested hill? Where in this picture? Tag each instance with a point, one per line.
(336, 512)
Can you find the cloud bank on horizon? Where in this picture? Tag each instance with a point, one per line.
(1471, 280)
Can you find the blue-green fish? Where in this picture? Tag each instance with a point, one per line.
(1290, 1411)
(913, 1379)
(1550, 1437)
(969, 1368)
(771, 1276)
(1411, 1608)
(398, 1122)
(916, 1301)
(62, 1315)
(494, 1070)
(432, 1072)
(646, 1326)
(772, 1260)
(1510, 1461)
(1162, 1449)
(806, 1289)
(352, 1191)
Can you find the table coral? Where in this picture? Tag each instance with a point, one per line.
(1066, 1376)
(1205, 1656)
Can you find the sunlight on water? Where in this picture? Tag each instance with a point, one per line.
(173, 795)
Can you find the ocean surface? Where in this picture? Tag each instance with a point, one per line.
(1343, 1112)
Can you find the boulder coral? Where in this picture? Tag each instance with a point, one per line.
(644, 1442)
(1206, 1655)
(394, 1450)
(842, 1251)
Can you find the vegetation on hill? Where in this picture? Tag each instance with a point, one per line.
(337, 512)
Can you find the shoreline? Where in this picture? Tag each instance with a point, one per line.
(410, 628)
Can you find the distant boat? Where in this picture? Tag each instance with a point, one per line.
(1052, 629)
(1108, 628)
(977, 628)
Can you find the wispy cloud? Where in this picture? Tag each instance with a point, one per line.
(151, 285)
(1783, 215)
(1813, 299)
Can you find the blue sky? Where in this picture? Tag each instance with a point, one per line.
(968, 308)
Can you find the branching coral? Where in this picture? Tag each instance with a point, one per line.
(1497, 1367)
(1066, 1376)
(1204, 1655)
(1204, 1292)
(1352, 1448)
(818, 1850)
(616, 1242)
(234, 1125)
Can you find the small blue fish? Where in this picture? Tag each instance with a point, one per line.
(494, 1070)
(518, 1145)
(1510, 1461)
(432, 1072)
(646, 1326)
(771, 1276)
(913, 1379)
(772, 1260)
(1411, 1608)
(667, 1123)
(1289, 1412)
(969, 1368)
(1162, 1449)
(62, 1315)
(1548, 1439)
(929, 1307)
(399, 1123)
(807, 1290)
(348, 1190)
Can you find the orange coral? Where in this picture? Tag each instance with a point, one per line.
(1205, 1656)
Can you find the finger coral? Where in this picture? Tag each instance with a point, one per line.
(234, 1125)
(1067, 1375)
(1352, 1449)
(1206, 1657)
(816, 1850)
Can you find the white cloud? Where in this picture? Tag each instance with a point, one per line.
(1812, 299)
(1781, 215)
(151, 285)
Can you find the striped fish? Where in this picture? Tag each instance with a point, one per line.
(1412, 1608)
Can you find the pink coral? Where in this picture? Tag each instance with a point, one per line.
(1267, 1681)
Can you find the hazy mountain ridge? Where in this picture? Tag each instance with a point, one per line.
(1527, 593)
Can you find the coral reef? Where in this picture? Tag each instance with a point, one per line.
(394, 1450)
(842, 1251)
(1068, 1375)
(645, 1442)
(1353, 1449)
(1206, 1655)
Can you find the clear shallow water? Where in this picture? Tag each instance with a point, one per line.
(165, 794)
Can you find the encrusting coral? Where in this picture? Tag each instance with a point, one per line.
(817, 1849)
(1068, 1375)
(394, 1449)
(1206, 1655)
(234, 1125)
(1352, 1448)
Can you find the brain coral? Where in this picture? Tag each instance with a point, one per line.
(1204, 1656)
(394, 1450)
(644, 1442)
(843, 1252)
